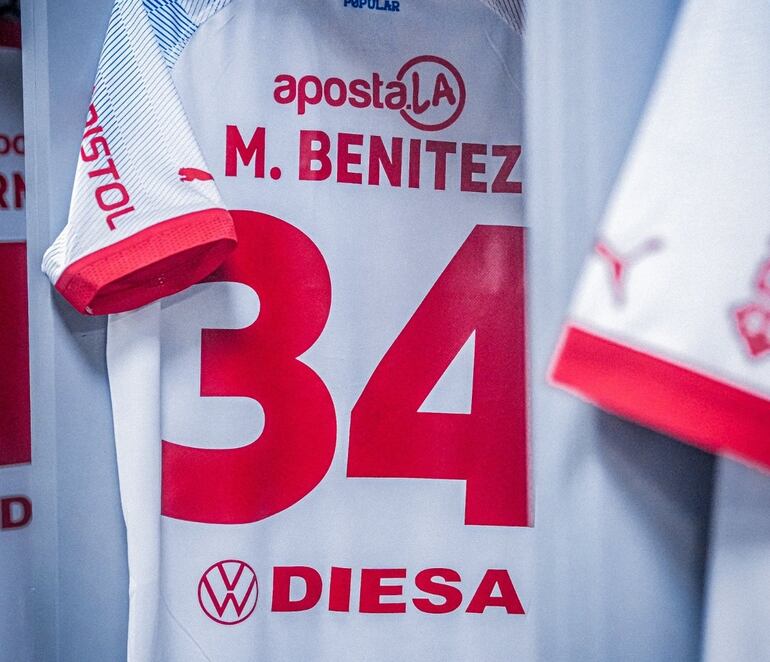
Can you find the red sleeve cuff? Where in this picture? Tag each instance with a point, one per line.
(153, 263)
(701, 410)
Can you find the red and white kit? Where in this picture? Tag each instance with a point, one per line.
(322, 446)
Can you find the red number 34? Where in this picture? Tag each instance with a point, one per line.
(481, 290)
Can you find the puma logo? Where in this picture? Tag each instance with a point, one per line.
(619, 264)
(192, 174)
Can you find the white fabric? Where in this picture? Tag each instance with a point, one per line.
(133, 349)
(385, 246)
(738, 604)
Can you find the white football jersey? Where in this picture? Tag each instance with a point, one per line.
(322, 447)
(16, 631)
(670, 324)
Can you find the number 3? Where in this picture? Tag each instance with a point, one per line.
(295, 449)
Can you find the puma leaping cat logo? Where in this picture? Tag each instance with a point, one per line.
(619, 264)
(192, 174)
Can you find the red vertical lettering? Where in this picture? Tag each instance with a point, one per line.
(103, 199)
(92, 115)
(117, 214)
(110, 169)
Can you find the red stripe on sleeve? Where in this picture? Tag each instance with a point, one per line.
(155, 262)
(701, 410)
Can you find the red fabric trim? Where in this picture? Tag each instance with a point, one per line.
(153, 263)
(691, 406)
(10, 34)
(15, 445)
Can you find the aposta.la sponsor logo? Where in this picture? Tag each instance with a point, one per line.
(428, 91)
(227, 591)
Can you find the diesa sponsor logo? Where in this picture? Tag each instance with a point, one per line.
(428, 91)
(228, 591)
(377, 5)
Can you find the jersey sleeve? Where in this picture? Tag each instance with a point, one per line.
(146, 219)
(670, 324)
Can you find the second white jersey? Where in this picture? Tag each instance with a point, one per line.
(670, 324)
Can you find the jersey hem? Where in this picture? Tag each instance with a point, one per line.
(158, 261)
(683, 403)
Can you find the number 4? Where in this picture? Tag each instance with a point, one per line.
(481, 290)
